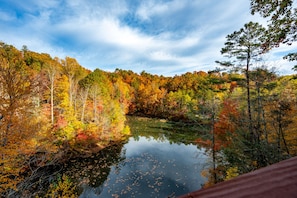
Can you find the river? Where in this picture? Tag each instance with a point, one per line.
(158, 160)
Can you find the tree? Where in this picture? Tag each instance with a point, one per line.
(282, 23)
(52, 70)
(281, 110)
(214, 109)
(74, 72)
(245, 46)
(85, 85)
(261, 78)
(16, 88)
(14, 85)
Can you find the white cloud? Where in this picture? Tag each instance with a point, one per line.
(151, 8)
(112, 32)
(275, 59)
(162, 37)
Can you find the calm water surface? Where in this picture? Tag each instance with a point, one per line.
(153, 163)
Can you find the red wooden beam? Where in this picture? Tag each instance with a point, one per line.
(277, 180)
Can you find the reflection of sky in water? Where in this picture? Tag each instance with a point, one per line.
(153, 169)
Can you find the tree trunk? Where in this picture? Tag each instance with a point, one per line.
(95, 108)
(213, 142)
(213, 151)
(285, 142)
(51, 76)
(264, 124)
(52, 100)
(84, 101)
(250, 124)
(279, 131)
(70, 79)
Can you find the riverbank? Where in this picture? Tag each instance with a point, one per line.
(80, 171)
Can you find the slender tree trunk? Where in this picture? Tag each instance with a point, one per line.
(51, 76)
(75, 104)
(213, 142)
(85, 97)
(74, 96)
(94, 94)
(279, 131)
(70, 90)
(259, 110)
(213, 151)
(281, 136)
(52, 99)
(247, 73)
(95, 108)
(284, 141)
(264, 123)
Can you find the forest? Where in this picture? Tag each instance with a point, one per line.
(53, 109)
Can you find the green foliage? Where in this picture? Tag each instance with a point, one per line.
(282, 23)
(272, 120)
(245, 44)
(76, 111)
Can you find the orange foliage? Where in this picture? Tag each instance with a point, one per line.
(233, 85)
(202, 73)
(61, 122)
(225, 126)
(206, 143)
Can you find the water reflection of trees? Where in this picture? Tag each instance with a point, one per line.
(161, 130)
(93, 171)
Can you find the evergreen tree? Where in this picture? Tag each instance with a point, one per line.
(282, 23)
(244, 46)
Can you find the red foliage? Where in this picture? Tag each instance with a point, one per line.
(85, 140)
(61, 122)
(100, 107)
(82, 136)
(225, 126)
(85, 135)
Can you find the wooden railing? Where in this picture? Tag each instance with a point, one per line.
(277, 180)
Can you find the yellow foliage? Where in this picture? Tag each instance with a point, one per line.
(16, 145)
(221, 95)
(10, 169)
(63, 188)
(291, 133)
(205, 173)
(231, 173)
(126, 131)
(92, 127)
(62, 92)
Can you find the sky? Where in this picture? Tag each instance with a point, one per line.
(164, 37)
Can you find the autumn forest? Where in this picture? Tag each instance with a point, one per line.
(53, 110)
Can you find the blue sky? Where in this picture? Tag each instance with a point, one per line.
(165, 37)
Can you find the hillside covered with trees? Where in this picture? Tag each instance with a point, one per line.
(53, 109)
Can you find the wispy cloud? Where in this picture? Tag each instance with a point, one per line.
(159, 36)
